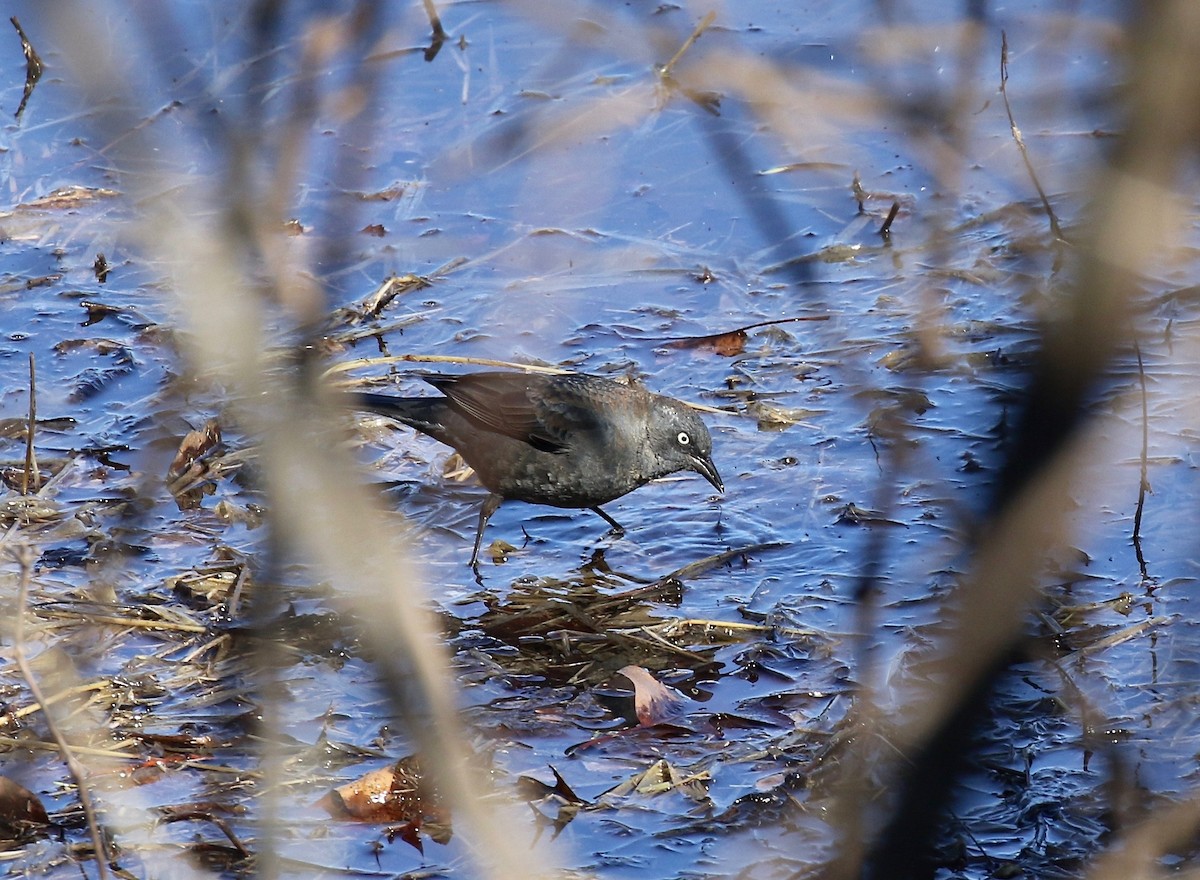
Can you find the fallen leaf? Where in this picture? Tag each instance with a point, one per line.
(20, 807)
(733, 342)
(776, 418)
(852, 514)
(383, 195)
(534, 789)
(659, 778)
(726, 344)
(499, 551)
(399, 794)
(654, 702)
(187, 475)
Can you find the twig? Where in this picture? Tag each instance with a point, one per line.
(41, 705)
(1020, 139)
(235, 594)
(205, 816)
(33, 66)
(1123, 635)
(131, 622)
(439, 34)
(24, 557)
(730, 629)
(30, 477)
(345, 366)
(705, 22)
(17, 742)
(1144, 480)
(886, 229)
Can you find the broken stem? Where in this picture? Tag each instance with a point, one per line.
(30, 478)
(687, 44)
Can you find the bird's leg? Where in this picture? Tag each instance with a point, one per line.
(616, 526)
(490, 505)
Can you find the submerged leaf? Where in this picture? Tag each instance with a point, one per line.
(655, 702)
(397, 794)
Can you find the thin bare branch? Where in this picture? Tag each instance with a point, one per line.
(1020, 140)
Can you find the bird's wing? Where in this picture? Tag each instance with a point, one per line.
(545, 412)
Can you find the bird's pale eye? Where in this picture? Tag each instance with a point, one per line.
(683, 438)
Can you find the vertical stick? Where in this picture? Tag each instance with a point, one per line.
(30, 478)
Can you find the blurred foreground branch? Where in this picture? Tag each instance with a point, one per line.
(1132, 216)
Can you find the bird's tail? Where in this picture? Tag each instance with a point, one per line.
(422, 413)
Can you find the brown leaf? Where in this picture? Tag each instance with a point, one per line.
(19, 806)
(187, 473)
(654, 702)
(733, 342)
(534, 789)
(726, 344)
(98, 311)
(398, 794)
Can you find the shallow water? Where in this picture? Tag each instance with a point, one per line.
(599, 216)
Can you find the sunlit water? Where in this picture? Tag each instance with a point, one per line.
(592, 246)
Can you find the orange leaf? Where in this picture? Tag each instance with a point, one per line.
(398, 794)
(654, 702)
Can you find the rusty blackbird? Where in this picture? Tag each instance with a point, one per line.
(569, 440)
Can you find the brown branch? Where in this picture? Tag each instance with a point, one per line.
(705, 23)
(886, 229)
(24, 557)
(1020, 139)
(33, 66)
(30, 477)
(1144, 480)
(439, 33)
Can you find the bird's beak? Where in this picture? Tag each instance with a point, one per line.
(705, 468)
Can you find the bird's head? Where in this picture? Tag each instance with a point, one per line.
(680, 441)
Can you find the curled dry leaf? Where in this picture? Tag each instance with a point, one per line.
(186, 475)
(659, 778)
(777, 418)
(399, 796)
(654, 702)
(534, 789)
(499, 551)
